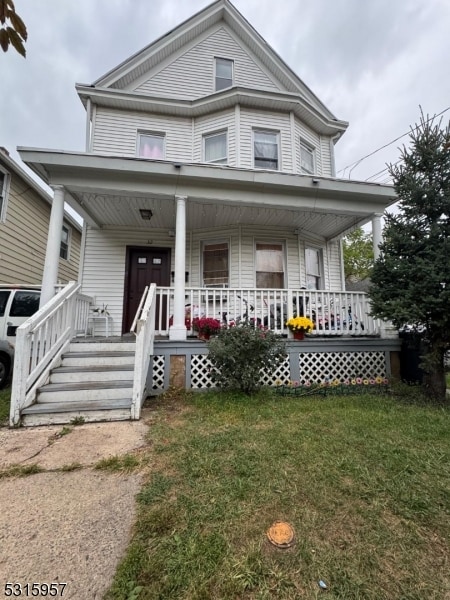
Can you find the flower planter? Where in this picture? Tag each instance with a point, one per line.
(203, 336)
(299, 335)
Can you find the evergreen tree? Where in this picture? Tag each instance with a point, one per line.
(411, 279)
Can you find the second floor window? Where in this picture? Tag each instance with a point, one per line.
(151, 145)
(64, 247)
(215, 148)
(215, 264)
(307, 159)
(265, 149)
(224, 74)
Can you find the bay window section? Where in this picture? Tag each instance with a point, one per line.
(266, 149)
(215, 259)
(215, 148)
(269, 266)
(151, 145)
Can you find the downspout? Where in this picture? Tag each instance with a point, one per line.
(88, 125)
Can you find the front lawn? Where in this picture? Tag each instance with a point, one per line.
(364, 481)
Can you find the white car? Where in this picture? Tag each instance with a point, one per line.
(17, 304)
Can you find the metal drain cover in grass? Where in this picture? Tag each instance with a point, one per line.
(281, 534)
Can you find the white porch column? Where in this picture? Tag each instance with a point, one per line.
(50, 275)
(178, 329)
(376, 234)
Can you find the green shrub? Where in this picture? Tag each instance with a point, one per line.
(242, 353)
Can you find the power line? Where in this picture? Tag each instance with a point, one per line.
(353, 165)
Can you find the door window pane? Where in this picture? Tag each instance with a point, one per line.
(151, 146)
(215, 265)
(216, 148)
(266, 150)
(269, 266)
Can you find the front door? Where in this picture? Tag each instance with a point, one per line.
(143, 267)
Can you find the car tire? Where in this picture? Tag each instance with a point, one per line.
(5, 365)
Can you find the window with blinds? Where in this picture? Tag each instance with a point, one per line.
(269, 265)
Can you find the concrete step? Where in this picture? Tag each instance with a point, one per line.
(103, 358)
(59, 413)
(92, 373)
(85, 391)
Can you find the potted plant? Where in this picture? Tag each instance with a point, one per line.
(206, 327)
(299, 326)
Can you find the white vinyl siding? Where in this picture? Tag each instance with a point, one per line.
(191, 75)
(327, 154)
(4, 190)
(224, 121)
(116, 133)
(23, 239)
(253, 120)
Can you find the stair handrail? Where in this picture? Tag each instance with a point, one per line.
(145, 336)
(40, 343)
(139, 311)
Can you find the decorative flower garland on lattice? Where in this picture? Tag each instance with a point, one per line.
(357, 385)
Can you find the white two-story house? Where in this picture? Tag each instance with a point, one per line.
(209, 172)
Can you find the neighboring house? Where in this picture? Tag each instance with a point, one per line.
(209, 172)
(24, 220)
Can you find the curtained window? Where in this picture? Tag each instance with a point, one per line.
(269, 266)
(151, 145)
(215, 264)
(265, 149)
(313, 260)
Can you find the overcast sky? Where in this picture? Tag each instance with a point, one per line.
(372, 62)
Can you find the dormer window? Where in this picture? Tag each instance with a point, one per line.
(307, 159)
(151, 145)
(224, 73)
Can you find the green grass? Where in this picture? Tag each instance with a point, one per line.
(125, 463)
(5, 399)
(364, 481)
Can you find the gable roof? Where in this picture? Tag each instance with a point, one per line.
(134, 68)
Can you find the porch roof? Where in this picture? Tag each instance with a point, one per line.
(110, 191)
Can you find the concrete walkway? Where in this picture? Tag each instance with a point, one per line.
(61, 526)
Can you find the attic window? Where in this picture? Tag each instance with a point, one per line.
(224, 73)
(151, 145)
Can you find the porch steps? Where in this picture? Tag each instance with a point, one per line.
(94, 381)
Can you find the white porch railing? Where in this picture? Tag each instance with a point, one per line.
(333, 313)
(145, 335)
(41, 341)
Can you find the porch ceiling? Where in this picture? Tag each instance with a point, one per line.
(108, 191)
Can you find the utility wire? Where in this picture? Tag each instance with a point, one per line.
(353, 165)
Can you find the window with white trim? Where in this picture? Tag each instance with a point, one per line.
(266, 149)
(215, 262)
(4, 190)
(151, 145)
(215, 148)
(307, 159)
(313, 263)
(64, 246)
(269, 265)
(223, 73)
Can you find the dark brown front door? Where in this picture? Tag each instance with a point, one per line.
(143, 266)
